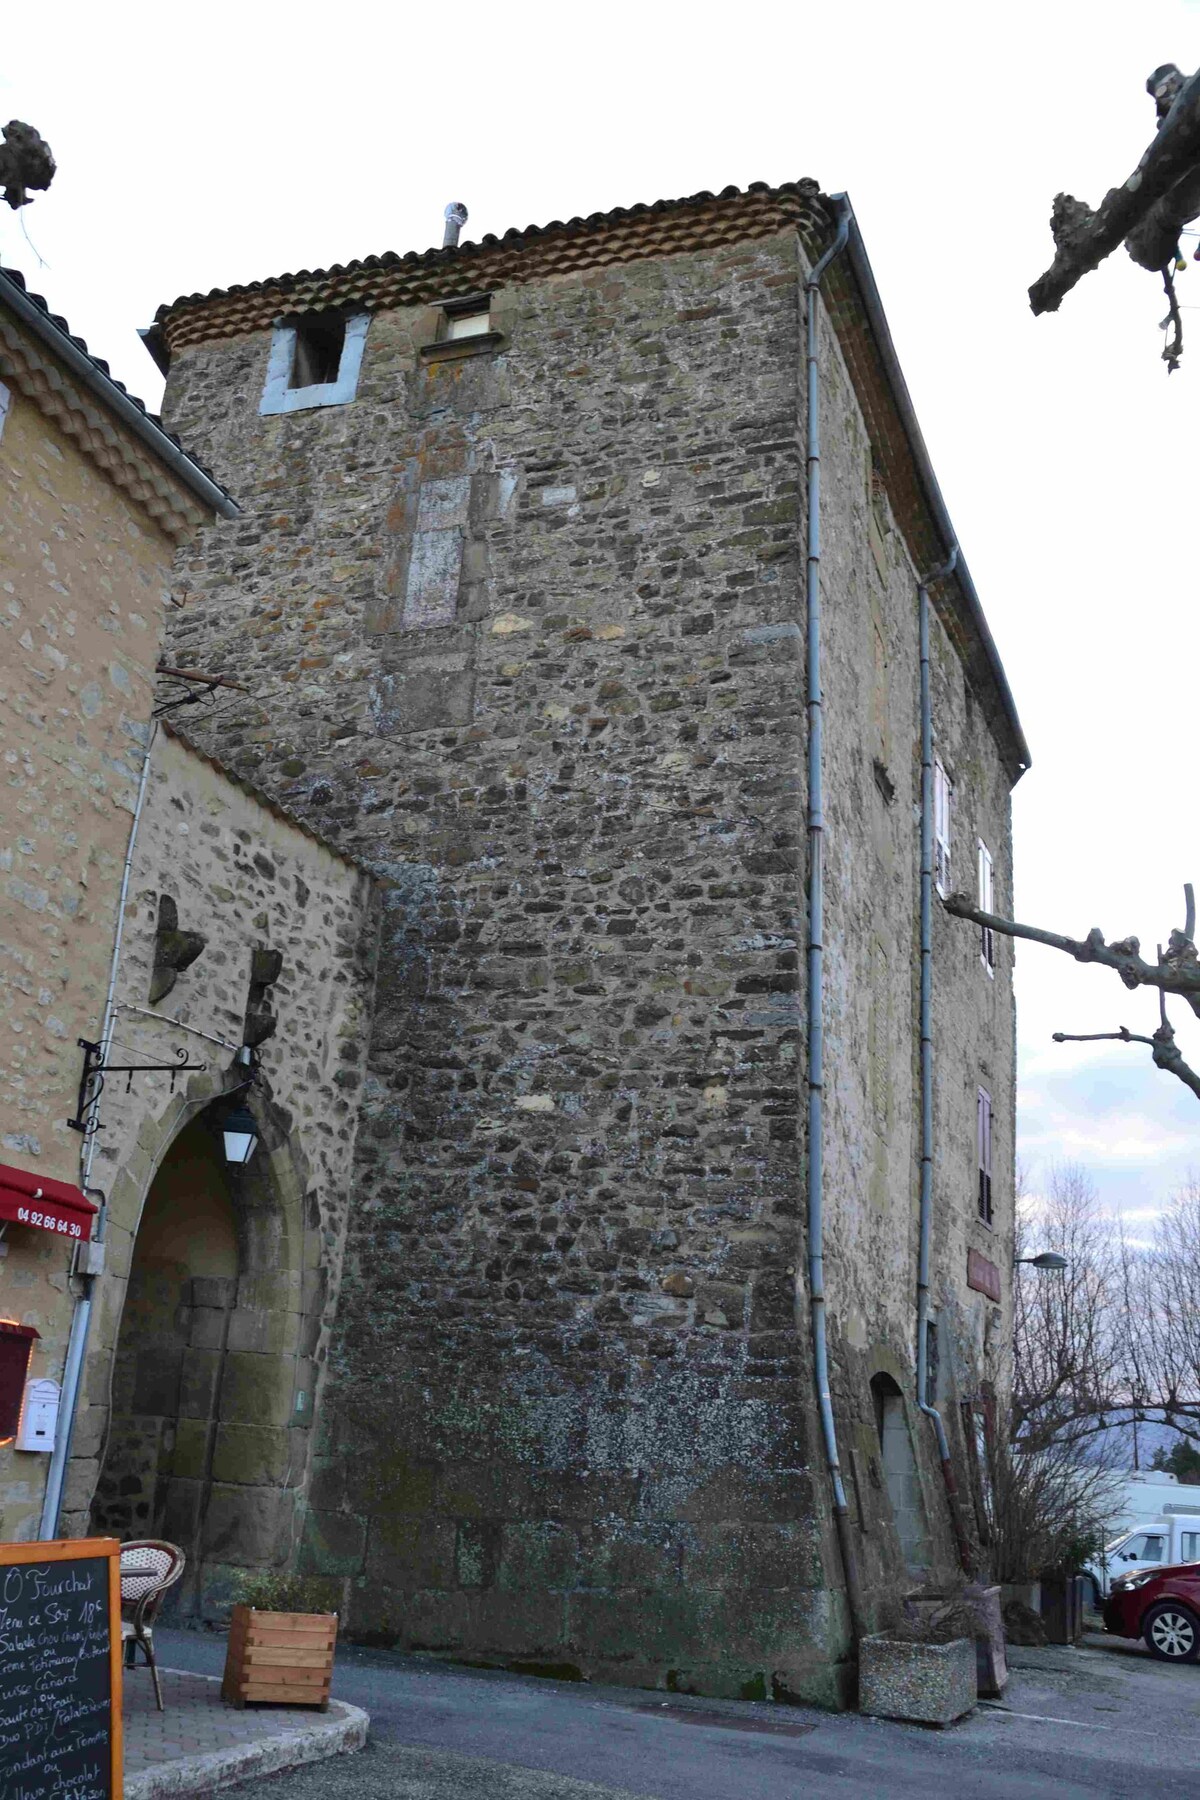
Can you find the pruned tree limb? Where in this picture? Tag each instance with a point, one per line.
(1165, 1051)
(1173, 348)
(1084, 238)
(1177, 973)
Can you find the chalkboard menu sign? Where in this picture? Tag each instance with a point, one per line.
(60, 1670)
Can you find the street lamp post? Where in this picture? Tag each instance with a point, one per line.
(1049, 1259)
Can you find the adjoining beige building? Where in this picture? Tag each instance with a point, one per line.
(213, 955)
(95, 498)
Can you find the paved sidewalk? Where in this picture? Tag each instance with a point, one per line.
(198, 1744)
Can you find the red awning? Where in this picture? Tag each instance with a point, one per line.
(47, 1205)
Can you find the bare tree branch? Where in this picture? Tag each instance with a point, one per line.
(1178, 972)
(1084, 238)
(1166, 1053)
(1173, 348)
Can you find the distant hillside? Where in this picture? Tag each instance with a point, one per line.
(1127, 1444)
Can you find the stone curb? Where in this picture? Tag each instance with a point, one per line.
(331, 1733)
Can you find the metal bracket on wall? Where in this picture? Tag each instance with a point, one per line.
(191, 687)
(91, 1081)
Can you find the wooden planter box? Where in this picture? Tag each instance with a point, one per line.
(285, 1657)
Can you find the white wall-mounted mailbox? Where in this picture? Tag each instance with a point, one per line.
(39, 1416)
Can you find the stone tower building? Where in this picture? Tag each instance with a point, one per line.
(519, 590)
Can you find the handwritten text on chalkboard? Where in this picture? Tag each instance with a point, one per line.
(55, 1681)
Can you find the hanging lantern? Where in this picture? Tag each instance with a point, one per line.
(240, 1135)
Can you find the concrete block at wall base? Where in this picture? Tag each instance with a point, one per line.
(929, 1684)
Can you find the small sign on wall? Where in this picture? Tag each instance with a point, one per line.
(983, 1276)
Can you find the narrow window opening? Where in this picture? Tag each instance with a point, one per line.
(987, 942)
(983, 1144)
(942, 792)
(317, 357)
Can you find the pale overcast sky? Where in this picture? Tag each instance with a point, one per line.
(199, 146)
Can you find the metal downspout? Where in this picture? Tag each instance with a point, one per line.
(926, 1030)
(816, 933)
(82, 1315)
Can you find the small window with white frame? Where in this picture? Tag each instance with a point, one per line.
(983, 1144)
(942, 792)
(467, 325)
(469, 317)
(987, 941)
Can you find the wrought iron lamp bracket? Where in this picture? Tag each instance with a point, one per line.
(91, 1080)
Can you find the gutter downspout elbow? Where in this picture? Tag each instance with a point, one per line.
(926, 1044)
(816, 929)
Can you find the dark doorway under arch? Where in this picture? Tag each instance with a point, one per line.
(207, 1437)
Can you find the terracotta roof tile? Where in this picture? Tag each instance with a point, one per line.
(15, 277)
(627, 233)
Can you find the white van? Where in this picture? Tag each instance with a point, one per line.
(1175, 1538)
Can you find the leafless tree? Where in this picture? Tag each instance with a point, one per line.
(1047, 1507)
(1115, 1337)
(1068, 1368)
(1162, 1316)
(1147, 212)
(1176, 971)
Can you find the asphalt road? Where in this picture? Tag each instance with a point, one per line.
(1104, 1720)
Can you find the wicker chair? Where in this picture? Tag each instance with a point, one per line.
(148, 1568)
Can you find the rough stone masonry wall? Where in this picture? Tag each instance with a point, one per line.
(242, 1416)
(873, 779)
(84, 574)
(572, 1423)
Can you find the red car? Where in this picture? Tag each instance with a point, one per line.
(1161, 1606)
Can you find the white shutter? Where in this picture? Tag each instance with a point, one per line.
(941, 829)
(983, 1142)
(987, 944)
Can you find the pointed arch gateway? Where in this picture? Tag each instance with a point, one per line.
(211, 1370)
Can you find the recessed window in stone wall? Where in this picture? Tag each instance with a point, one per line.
(467, 324)
(314, 362)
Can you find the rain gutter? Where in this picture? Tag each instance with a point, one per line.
(873, 306)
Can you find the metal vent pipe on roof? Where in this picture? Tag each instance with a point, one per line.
(455, 216)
